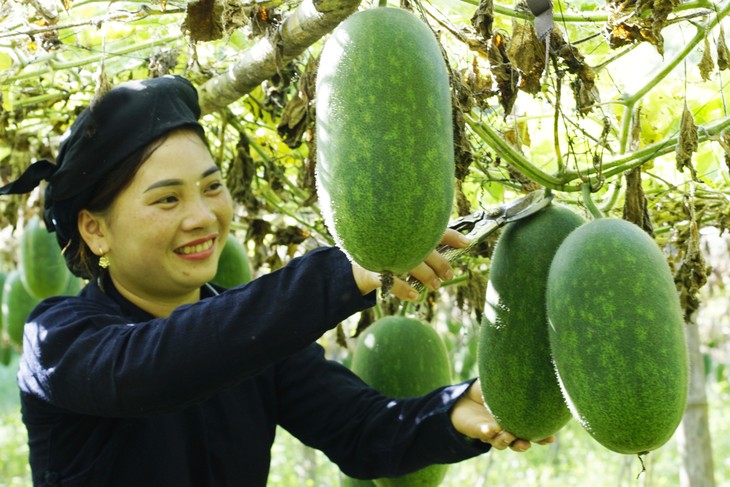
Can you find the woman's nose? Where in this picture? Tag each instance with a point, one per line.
(200, 213)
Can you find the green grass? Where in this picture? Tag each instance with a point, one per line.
(14, 469)
(573, 460)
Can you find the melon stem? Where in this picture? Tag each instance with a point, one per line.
(588, 201)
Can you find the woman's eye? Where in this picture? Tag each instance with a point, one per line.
(215, 186)
(167, 200)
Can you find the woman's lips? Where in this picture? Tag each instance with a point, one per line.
(197, 250)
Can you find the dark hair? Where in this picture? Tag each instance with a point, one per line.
(82, 261)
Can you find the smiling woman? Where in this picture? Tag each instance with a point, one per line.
(179, 215)
(154, 376)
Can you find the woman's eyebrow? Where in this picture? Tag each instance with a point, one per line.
(209, 171)
(176, 182)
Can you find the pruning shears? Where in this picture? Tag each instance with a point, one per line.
(479, 225)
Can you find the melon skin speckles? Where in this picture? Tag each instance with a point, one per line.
(617, 335)
(515, 362)
(385, 154)
(403, 357)
(234, 267)
(41, 265)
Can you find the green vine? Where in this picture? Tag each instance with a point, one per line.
(588, 201)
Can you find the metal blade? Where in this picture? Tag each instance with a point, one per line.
(490, 222)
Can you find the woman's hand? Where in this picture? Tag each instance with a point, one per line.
(471, 418)
(430, 272)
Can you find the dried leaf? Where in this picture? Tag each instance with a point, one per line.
(503, 73)
(483, 18)
(635, 205)
(240, 176)
(687, 143)
(707, 65)
(461, 102)
(527, 54)
(693, 270)
(723, 54)
(518, 135)
(583, 85)
(632, 21)
(476, 87)
(204, 20)
(163, 62)
(294, 121)
(297, 118)
(103, 86)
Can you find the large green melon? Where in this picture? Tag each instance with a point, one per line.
(617, 335)
(234, 267)
(16, 304)
(515, 363)
(42, 267)
(403, 357)
(385, 154)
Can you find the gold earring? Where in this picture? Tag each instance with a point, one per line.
(103, 260)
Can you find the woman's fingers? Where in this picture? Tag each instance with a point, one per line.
(431, 272)
(436, 268)
(455, 239)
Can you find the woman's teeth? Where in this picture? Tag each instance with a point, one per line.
(194, 249)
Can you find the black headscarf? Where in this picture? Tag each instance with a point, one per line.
(128, 118)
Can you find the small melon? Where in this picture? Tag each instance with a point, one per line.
(403, 357)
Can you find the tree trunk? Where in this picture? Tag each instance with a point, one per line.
(306, 25)
(693, 436)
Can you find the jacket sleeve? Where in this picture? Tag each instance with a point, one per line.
(81, 355)
(366, 434)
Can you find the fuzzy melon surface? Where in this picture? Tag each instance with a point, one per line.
(403, 357)
(42, 266)
(515, 362)
(234, 267)
(17, 303)
(617, 335)
(385, 155)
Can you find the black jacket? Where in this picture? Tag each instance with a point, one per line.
(113, 396)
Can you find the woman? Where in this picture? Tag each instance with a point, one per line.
(153, 376)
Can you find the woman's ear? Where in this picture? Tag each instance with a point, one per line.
(92, 229)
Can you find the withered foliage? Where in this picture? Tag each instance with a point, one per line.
(633, 21)
(723, 54)
(687, 143)
(504, 75)
(241, 174)
(204, 20)
(583, 83)
(692, 272)
(297, 117)
(707, 65)
(476, 87)
(162, 62)
(483, 18)
(635, 207)
(463, 157)
(209, 20)
(527, 54)
(279, 87)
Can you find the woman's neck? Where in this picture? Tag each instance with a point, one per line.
(159, 306)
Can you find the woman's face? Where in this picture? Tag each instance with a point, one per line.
(166, 230)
